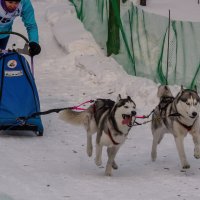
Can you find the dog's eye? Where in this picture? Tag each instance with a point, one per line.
(125, 106)
(187, 103)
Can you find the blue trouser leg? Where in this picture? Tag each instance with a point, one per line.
(3, 42)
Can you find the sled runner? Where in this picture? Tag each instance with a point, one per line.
(18, 93)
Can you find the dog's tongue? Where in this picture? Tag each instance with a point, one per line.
(127, 120)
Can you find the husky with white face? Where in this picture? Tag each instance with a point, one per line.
(177, 115)
(111, 121)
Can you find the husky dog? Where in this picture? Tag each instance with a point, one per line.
(111, 121)
(177, 115)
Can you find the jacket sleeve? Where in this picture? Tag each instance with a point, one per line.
(29, 21)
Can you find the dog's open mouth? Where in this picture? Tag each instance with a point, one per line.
(127, 119)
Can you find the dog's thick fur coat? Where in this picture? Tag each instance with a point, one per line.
(177, 115)
(111, 121)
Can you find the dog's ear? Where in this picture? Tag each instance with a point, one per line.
(166, 87)
(129, 98)
(195, 88)
(182, 88)
(119, 97)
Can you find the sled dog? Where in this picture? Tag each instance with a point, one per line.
(177, 115)
(111, 121)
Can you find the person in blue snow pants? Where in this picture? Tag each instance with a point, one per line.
(9, 10)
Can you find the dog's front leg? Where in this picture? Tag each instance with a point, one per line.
(179, 139)
(111, 157)
(89, 144)
(196, 140)
(114, 165)
(157, 136)
(98, 159)
(99, 148)
(87, 124)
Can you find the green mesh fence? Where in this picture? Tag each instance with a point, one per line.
(144, 41)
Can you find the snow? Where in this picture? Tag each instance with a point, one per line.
(181, 10)
(72, 69)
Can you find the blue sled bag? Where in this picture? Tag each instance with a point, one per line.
(18, 95)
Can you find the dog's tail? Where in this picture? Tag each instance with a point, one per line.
(74, 117)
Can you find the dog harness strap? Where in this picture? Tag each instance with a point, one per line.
(94, 108)
(185, 126)
(113, 141)
(56, 110)
(165, 101)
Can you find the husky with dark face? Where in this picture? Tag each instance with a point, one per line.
(177, 115)
(111, 121)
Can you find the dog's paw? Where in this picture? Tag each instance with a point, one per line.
(108, 173)
(114, 165)
(153, 156)
(186, 166)
(98, 162)
(197, 153)
(197, 156)
(89, 151)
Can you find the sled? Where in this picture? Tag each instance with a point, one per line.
(19, 98)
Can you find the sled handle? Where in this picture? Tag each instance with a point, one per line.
(15, 33)
(25, 50)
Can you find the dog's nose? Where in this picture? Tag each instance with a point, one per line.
(194, 114)
(133, 113)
